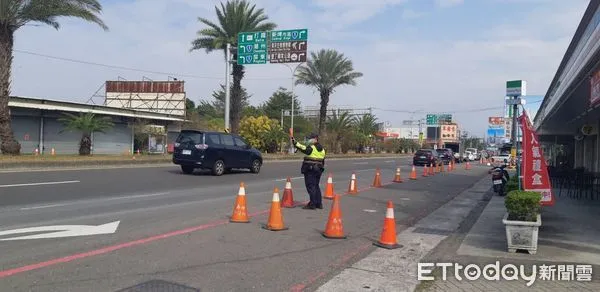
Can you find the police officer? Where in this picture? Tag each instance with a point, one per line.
(312, 168)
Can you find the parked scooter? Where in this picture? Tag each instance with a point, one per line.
(499, 179)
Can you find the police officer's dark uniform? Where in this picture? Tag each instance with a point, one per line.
(312, 168)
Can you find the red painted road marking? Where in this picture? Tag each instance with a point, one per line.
(111, 248)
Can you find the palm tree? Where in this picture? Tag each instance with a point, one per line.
(325, 71)
(339, 127)
(14, 14)
(87, 123)
(234, 17)
(366, 127)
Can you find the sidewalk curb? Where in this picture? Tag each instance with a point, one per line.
(396, 270)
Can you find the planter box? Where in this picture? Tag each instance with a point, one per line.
(522, 234)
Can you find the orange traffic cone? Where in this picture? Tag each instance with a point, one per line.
(449, 166)
(288, 195)
(442, 166)
(425, 171)
(377, 179)
(335, 227)
(329, 192)
(431, 170)
(468, 166)
(397, 177)
(352, 188)
(275, 222)
(388, 234)
(413, 173)
(437, 168)
(240, 213)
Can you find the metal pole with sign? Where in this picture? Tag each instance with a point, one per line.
(227, 86)
(293, 71)
(275, 47)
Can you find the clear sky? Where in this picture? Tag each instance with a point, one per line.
(416, 55)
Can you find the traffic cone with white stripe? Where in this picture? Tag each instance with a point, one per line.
(352, 187)
(425, 171)
(397, 177)
(431, 170)
(468, 165)
(329, 192)
(240, 212)
(413, 173)
(275, 222)
(53, 152)
(388, 234)
(335, 227)
(288, 195)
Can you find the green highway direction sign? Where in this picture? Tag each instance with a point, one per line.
(516, 88)
(434, 120)
(289, 35)
(279, 46)
(252, 48)
(288, 46)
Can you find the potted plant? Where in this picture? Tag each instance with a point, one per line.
(522, 220)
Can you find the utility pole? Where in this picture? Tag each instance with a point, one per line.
(227, 86)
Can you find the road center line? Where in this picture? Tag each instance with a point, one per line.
(40, 184)
(360, 163)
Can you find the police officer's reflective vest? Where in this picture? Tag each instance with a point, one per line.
(314, 155)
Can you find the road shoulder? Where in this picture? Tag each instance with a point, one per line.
(396, 270)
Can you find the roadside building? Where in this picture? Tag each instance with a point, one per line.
(569, 116)
(35, 125)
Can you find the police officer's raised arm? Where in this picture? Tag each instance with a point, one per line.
(302, 148)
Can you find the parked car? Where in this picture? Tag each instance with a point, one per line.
(445, 155)
(219, 152)
(425, 157)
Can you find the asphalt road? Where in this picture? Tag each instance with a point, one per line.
(173, 230)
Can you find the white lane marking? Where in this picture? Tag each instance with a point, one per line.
(44, 206)
(40, 184)
(405, 199)
(360, 163)
(292, 178)
(369, 210)
(363, 170)
(62, 231)
(136, 196)
(104, 199)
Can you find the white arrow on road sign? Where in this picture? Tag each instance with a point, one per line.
(62, 231)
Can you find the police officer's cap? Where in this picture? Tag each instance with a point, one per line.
(312, 136)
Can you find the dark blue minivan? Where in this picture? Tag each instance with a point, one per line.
(219, 152)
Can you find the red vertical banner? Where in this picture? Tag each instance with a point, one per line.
(534, 168)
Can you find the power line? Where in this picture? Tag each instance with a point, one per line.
(485, 109)
(135, 69)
